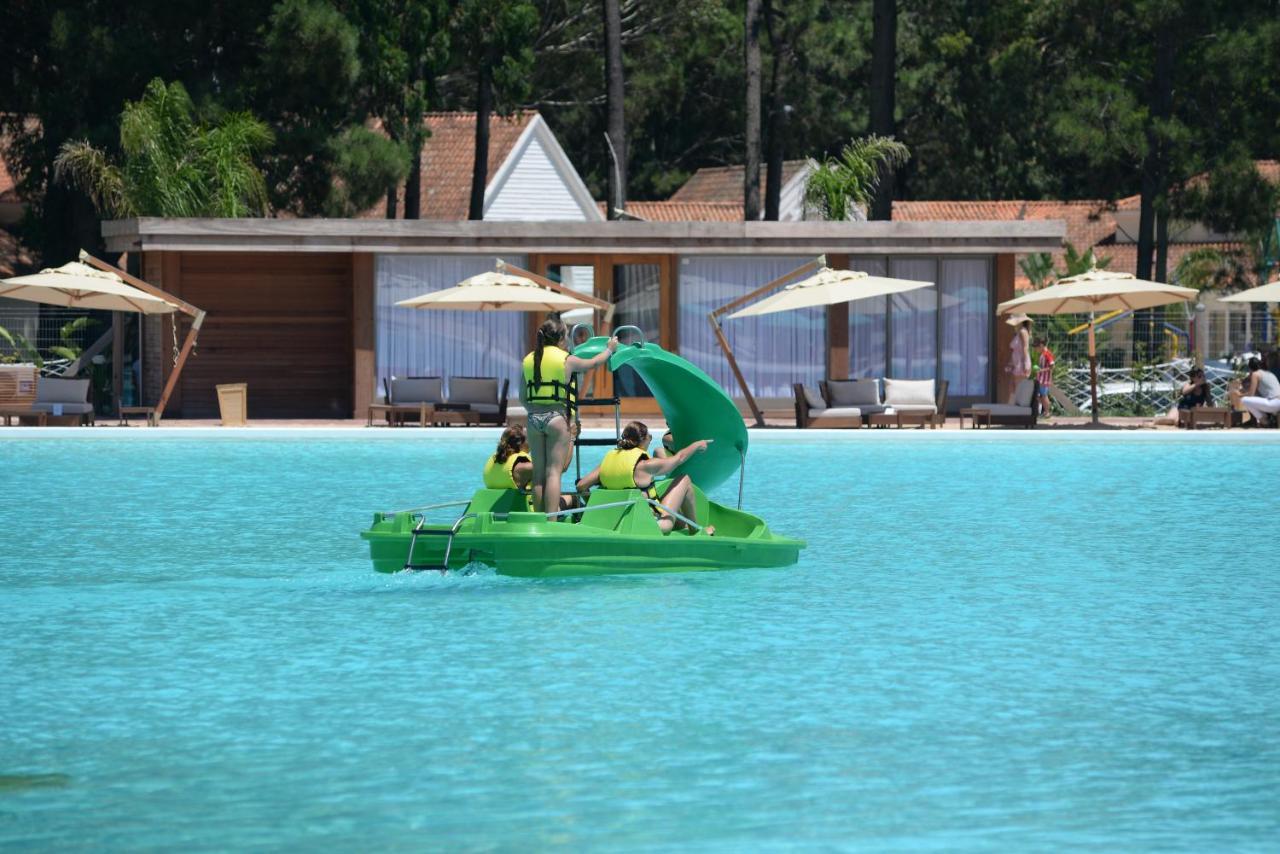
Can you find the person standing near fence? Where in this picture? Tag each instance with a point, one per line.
(1044, 376)
(1019, 367)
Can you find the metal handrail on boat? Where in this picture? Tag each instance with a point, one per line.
(427, 507)
(448, 546)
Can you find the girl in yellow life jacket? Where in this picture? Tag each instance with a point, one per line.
(629, 466)
(547, 397)
(510, 466)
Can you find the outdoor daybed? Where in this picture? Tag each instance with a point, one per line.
(1020, 413)
(482, 395)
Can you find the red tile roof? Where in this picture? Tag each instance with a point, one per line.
(447, 158)
(1269, 169)
(672, 211)
(724, 183)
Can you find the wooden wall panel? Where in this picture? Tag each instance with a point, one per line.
(281, 323)
(1002, 332)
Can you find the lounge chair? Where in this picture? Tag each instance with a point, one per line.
(482, 395)
(919, 399)
(1020, 413)
(413, 391)
(66, 396)
(812, 411)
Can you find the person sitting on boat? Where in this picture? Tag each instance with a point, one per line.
(548, 398)
(510, 466)
(628, 466)
(666, 448)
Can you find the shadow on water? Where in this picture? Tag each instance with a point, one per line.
(23, 782)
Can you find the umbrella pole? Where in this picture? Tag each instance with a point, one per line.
(187, 345)
(1093, 373)
(737, 372)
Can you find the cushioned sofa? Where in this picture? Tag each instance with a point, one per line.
(812, 411)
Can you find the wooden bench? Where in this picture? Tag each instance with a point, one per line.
(41, 418)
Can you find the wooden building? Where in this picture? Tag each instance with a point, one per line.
(303, 310)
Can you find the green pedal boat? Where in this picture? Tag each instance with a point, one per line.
(617, 532)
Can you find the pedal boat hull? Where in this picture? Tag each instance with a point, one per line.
(496, 530)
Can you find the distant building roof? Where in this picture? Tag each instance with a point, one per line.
(671, 211)
(724, 183)
(1088, 221)
(449, 154)
(1269, 169)
(529, 175)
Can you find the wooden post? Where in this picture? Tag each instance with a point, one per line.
(364, 382)
(838, 330)
(117, 359)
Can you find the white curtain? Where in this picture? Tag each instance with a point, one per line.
(965, 291)
(915, 321)
(774, 350)
(867, 325)
(413, 342)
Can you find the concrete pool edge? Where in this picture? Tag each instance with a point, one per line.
(756, 437)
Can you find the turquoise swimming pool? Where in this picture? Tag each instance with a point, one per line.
(992, 642)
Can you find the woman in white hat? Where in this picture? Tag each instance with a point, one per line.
(1019, 367)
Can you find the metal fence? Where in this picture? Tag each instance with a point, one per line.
(1143, 357)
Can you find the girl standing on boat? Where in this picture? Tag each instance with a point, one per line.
(548, 398)
(629, 466)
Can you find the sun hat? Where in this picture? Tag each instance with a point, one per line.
(1016, 319)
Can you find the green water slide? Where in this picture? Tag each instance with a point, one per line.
(694, 405)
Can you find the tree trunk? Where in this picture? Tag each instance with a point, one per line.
(615, 90)
(884, 48)
(751, 171)
(776, 136)
(413, 184)
(392, 189)
(480, 168)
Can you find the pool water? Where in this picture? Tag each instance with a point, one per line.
(1004, 642)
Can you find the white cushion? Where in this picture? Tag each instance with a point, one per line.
(863, 392)
(1025, 391)
(900, 393)
(1003, 408)
(482, 408)
(473, 390)
(417, 390)
(915, 408)
(837, 412)
(813, 399)
(55, 390)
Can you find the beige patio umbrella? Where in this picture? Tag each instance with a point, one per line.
(504, 290)
(94, 284)
(1092, 292)
(823, 288)
(829, 287)
(78, 285)
(1263, 293)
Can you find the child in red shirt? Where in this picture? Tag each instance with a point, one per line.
(1044, 376)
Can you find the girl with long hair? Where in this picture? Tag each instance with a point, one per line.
(548, 397)
(629, 466)
(510, 466)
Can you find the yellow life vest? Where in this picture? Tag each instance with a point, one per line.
(554, 388)
(618, 470)
(501, 475)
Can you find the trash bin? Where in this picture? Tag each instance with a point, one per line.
(233, 404)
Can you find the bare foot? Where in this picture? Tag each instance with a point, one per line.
(709, 530)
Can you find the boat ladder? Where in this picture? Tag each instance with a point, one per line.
(419, 531)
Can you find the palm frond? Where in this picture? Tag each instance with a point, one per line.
(86, 168)
(837, 184)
